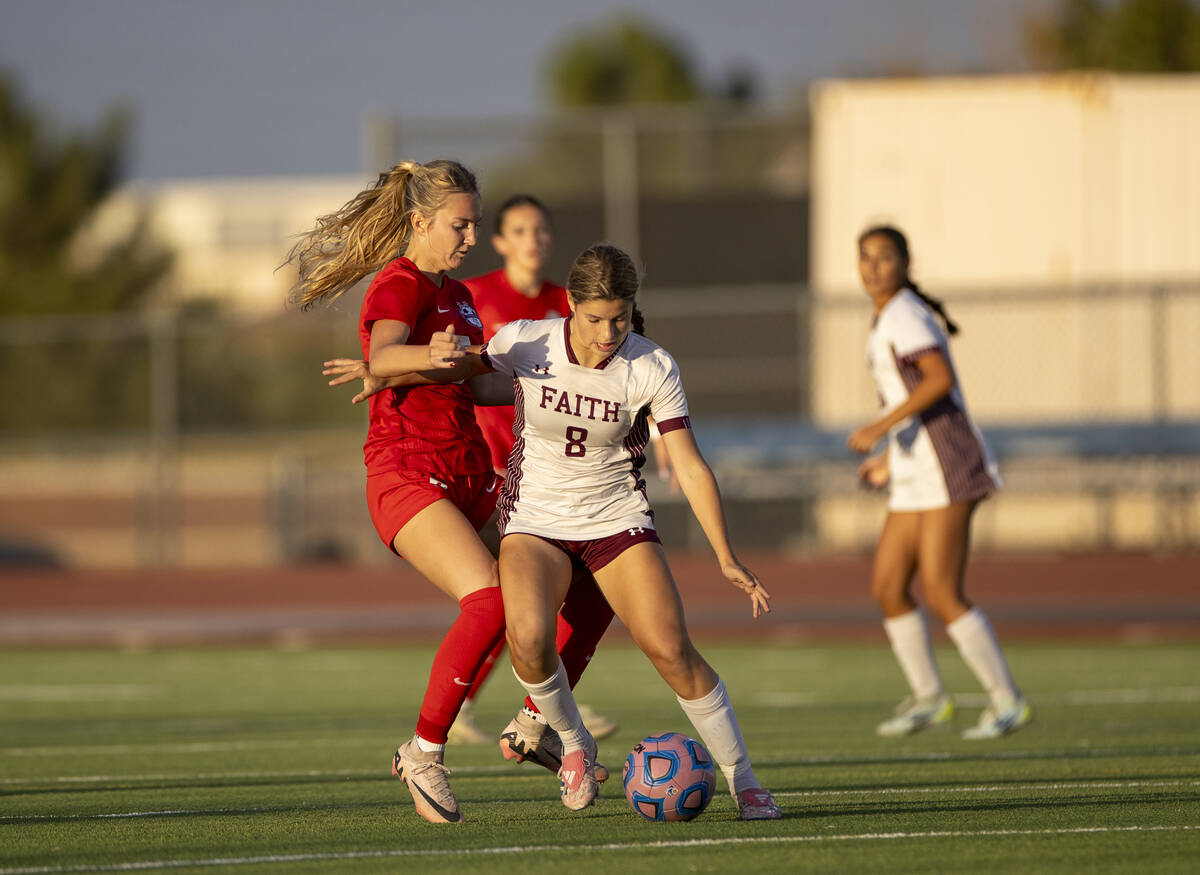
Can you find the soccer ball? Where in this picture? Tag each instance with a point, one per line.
(669, 777)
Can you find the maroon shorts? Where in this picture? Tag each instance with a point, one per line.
(395, 497)
(598, 552)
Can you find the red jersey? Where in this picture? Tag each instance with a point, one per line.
(424, 429)
(498, 304)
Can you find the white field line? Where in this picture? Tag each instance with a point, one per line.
(186, 746)
(77, 692)
(465, 771)
(1120, 696)
(139, 865)
(1065, 786)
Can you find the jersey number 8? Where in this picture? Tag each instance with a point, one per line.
(575, 438)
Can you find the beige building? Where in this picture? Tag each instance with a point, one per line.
(229, 236)
(1059, 216)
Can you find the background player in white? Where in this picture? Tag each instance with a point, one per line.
(584, 388)
(938, 469)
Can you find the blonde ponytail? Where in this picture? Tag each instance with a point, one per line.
(372, 228)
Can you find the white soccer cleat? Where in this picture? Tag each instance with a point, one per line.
(755, 803)
(425, 776)
(578, 777)
(1000, 720)
(526, 738)
(913, 715)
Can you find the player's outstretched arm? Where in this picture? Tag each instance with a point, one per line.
(700, 488)
(347, 370)
(446, 359)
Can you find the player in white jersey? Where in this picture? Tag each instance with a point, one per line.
(574, 495)
(938, 468)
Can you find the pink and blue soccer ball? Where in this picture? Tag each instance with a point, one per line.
(669, 777)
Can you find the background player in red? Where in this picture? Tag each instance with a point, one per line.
(523, 237)
(938, 468)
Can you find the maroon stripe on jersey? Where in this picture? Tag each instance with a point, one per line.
(635, 444)
(957, 447)
(915, 354)
(672, 424)
(511, 490)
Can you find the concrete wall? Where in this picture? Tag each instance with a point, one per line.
(1068, 184)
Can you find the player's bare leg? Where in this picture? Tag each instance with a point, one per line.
(639, 586)
(896, 557)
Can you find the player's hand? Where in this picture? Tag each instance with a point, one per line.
(348, 370)
(446, 348)
(863, 440)
(743, 578)
(874, 472)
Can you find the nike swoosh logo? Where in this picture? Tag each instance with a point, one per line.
(462, 683)
(440, 310)
(452, 816)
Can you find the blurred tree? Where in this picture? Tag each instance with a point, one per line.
(50, 187)
(1140, 36)
(628, 61)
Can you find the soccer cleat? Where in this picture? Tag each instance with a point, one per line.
(526, 738)
(464, 730)
(913, 715)
(755, 803)
(425, 777)
(578, 778)
(997, 721)
(597, 725)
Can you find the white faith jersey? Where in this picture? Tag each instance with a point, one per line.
(938, 456)
(575, 469)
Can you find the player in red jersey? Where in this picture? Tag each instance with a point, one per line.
(430, 481)
(519, 290)
(523, 236)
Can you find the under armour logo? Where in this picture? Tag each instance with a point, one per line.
(636, 531)
(541, 369)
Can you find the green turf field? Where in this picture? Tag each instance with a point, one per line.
(278, 761)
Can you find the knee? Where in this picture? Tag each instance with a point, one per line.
(673, 658)
(529, 644)
(892, 597)
(945, 604)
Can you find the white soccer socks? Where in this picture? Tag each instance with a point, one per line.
(716, 724)
(973, 636)
(554, 699)
(914, 651)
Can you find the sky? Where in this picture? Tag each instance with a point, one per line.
(281, 87)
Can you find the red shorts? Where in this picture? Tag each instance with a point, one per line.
(598, 552)
(395, 497)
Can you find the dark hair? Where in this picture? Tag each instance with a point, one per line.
(897, 238)
(521, 200)
(605, 273)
